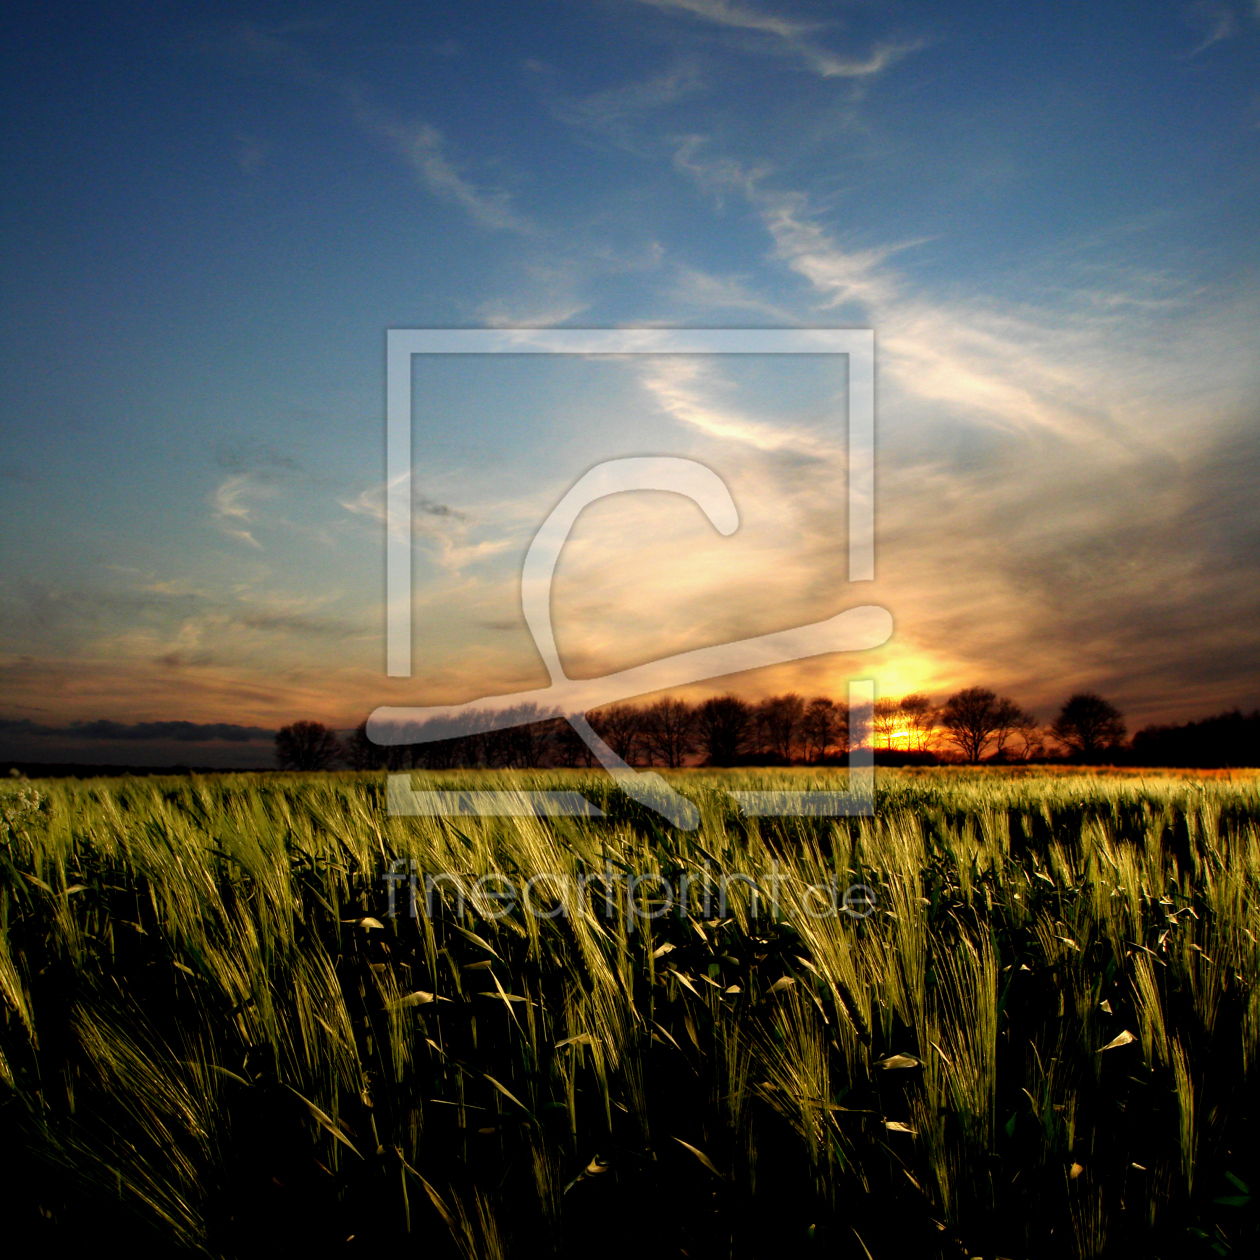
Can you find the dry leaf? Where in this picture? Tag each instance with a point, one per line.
(1124, 1039)
(684, 980)
(700, 1155)
(418, 998)
(324, 1120)
(507, 1093)
(597, 1165)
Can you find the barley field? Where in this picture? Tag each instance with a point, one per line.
(244, 1014)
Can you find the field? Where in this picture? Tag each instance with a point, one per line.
(1034, 1034)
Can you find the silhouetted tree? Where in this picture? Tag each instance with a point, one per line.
(621, 727)
(972, 717)
(496, 748)
(823, 726)
(1087, 724)
(307, 746)
(859, 726)
(1226, 739)
(887, 720)
(723, 724)
(668, 727)
(1028, 735)
(531, 743)
(570, 748)
(524, 747)
(919, 715)
(1008, 719)
(913, 717)
(361, 754)
(444, 754)
(779, 723)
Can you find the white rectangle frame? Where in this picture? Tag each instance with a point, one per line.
(403, 343)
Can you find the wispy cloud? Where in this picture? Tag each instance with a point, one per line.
(138, 622)
(553, 287)
(1013, 368)
(696, 289)
(618, 112)
(716, 173)
(371, 503)
(550, 294)
(1217, 21)
(687, 389)
(1043, 499)
(792, 37)
(232, 691)
(420, 146)
(831, 66)
(740, 16)
(424, 149)
(447, 533)
(845, 275)
(231, 511)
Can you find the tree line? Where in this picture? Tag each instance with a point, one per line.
(1227, 739)
(972, 725)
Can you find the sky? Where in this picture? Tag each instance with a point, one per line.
(213, 213)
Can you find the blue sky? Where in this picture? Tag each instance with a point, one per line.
(212, 213)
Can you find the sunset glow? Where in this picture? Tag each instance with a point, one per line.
(1062, 286)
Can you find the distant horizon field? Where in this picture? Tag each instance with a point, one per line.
(1021, 770)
